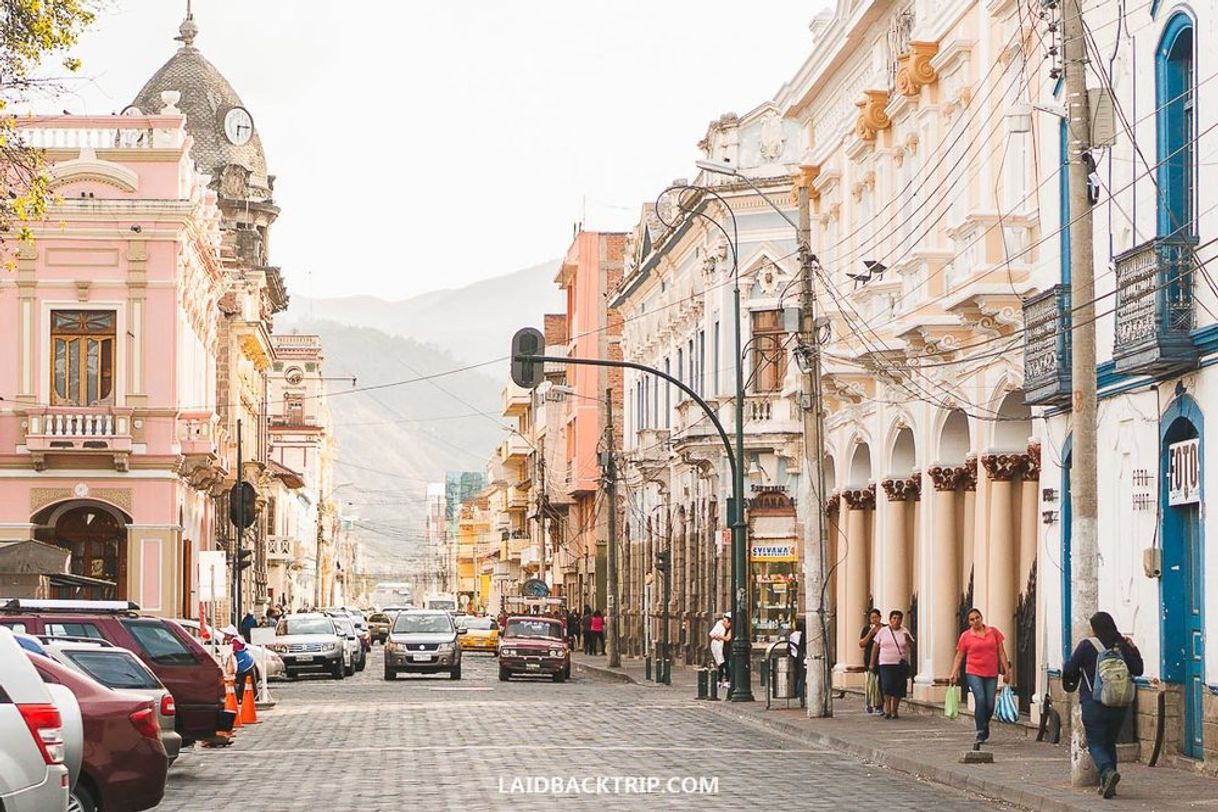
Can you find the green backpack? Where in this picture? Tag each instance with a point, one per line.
(1113, 686)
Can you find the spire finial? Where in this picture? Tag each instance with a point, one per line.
(188, 30)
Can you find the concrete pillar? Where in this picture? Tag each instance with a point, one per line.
(946, 555)
(1002, 546)
(896, 571)
(968, 537)
(1029, 506)
(831, 569)
(855, 586)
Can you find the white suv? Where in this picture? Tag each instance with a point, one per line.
(32, 773)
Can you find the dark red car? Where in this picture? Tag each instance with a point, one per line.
(186, 669)
(124, 765)
(531, 644)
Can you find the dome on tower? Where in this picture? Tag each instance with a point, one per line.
(226, 141)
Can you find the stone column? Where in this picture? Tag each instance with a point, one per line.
(896, 570)
(945, 555)
(831, 605)
(968, 538)
(1002, 547)
(1029, 507)
(855, 586)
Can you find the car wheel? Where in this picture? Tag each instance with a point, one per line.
(566, 672)
(390, 674)
(455, 673)
(503, 675)
(338, 671)
(289, 676)
(348, 670)
(81, 799)
(558, 676)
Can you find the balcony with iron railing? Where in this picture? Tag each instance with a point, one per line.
(77, 430)
(281, 548)
(1155, 311)
(1046, 350)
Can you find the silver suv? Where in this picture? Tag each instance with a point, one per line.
(423, 640)
(309, 642)
(32, 774)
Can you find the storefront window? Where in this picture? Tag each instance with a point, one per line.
(773, 564)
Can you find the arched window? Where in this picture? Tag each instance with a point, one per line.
(1175, 83)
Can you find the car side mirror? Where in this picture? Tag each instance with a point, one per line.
(462, 631)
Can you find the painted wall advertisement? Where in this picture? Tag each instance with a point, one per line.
(1184, 472)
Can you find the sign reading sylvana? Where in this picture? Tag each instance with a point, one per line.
(781, 551)
(1184, 472)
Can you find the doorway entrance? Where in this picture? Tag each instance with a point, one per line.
(1181, 591)
(96, 538)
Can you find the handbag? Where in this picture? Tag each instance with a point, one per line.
(1005, 708)
(951, 702)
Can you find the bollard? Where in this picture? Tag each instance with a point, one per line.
(703, 683)
(714, 685)
(764, 672)
(647, 668)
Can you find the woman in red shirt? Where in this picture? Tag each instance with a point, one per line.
(982, 645)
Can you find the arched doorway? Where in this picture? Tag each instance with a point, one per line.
(96, 537)
(1181, 588)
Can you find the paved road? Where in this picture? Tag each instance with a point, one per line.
(429, 743)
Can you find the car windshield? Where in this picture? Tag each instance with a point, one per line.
(113, 668)
(305, 625)
(479, 623)
(159, 643)
(344, 626)
(522, 627)
(407, 623)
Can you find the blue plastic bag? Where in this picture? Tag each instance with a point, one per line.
(1005, 707)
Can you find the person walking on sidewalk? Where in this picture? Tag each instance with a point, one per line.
(597, 625)
(1117, 660)
(572, 629)
(986, 659)
(875, 622)
(891, 655)
(585, 629)
(797, 647)
(721, 635)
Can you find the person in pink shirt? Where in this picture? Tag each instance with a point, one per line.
(892, 654)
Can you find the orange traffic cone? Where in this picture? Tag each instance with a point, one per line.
(249, 714)
(230, 702)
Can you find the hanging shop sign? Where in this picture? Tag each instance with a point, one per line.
(1184, 472)
(774, 551)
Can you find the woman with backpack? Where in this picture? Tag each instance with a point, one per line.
(1102, 667)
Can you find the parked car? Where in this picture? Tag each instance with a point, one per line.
(481, 633)
(179, 662)
(309, 642)
(423, 640)
(355, 659)
(378, 626)
(33, 773)
(534, 645)
(121, 670)
(274, 663)
(125, 764)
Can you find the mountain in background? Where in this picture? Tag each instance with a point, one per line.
(393, 440)
(474, 323)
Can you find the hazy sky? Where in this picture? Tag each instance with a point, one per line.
(420, 145)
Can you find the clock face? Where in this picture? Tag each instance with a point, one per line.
(294, 375)
(238, 125)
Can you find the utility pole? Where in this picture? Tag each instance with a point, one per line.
(240, 532)
(1083, 471)
(543, 507)
(815, 541)
(611, 641)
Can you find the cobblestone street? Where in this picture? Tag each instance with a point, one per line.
(430, 743)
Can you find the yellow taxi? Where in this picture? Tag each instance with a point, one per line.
(481, 633)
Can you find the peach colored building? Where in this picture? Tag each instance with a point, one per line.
(109, 440)
(591, 268)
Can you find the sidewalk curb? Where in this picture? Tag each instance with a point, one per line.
(605, 672)
(940, 774)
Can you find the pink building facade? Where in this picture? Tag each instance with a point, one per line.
(110, 445)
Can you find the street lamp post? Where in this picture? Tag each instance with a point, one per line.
(742, 689)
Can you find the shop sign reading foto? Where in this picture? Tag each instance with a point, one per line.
(1184, 472)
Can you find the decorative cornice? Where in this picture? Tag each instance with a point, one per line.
(1031, 462)
(902, 490)
(968, 480)
(832, 505)
(860, 498)
(916, 71)
(1002, 467)
(872, 115)
(946, 477)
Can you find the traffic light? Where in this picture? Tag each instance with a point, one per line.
(527, 341)
(242, 505)
(244, 559)
(663, 557)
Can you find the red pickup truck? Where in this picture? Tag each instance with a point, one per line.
(532, 644)
(185, 667)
